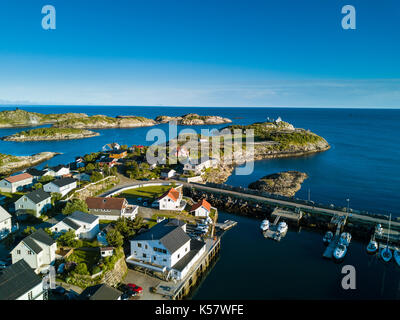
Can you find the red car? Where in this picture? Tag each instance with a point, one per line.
(134, 288)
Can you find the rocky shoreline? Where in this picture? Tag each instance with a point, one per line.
(193, 119)
(55, 137)
(10, 164)
(285, 183)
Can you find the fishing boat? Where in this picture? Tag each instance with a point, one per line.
(345, 238)
(396, 255)
(328, 237)
(386, 253)
(372, 246)
(340, 252)
(264, 225)
(282, 227)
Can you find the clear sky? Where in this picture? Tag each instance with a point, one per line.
(201, 53)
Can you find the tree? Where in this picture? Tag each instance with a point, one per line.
(75, 205)
(125, 227)
(81, 268)
(96, 176)
(37, 186)
(55, 197)
(90, 167)
(49, 232)
(29, 230)
(46, 179)
(68, 239)
(115, 238)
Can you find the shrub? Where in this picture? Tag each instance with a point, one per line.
(81, 268)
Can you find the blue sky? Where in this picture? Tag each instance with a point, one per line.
(201, 53)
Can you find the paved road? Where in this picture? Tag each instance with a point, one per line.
(286, 203)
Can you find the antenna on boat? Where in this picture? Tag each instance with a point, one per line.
(387, 243)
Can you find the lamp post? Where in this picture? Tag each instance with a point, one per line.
(348, 206)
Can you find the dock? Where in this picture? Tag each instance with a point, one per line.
(226, 225)
(289, 215)
(272, 232)
(339, 220)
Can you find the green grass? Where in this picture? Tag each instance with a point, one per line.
(145, 192)
(89, 257)
(40, 132)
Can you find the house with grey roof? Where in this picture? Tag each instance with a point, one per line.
(37, 201)
(62, 186)
(37, 174)
(58, 171)
(20, 282)
(100, 292)
(85, 226)
(37, 249)
(166, 248)
(5, 223)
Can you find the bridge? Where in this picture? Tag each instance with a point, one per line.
(294, 204)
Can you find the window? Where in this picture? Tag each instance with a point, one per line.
(18, 251)
(155, 258)
(29, 252)
(178, 256)
(139, 245)
(145, 246)
(144, 255)
(30, 295)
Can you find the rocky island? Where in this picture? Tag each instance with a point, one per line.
(22, 118)
(50, 134)
(10, 164)
(272, 139)
(285, 183)
(105, 122)
(193, 119)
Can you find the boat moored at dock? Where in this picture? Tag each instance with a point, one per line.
(328, 237)
(396, 255)
(386, 254)
(345, 238)
(340, 252)
(282, 227)
(372, 246)
(264, 225)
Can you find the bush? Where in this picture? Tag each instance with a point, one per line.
(96, 269)
(81, 268)
(75, 205)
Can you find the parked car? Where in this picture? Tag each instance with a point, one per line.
(133, 287)
(2, 265)
(128, 295)
(145, 204)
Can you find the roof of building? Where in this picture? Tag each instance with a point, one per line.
(202, 203)
(41, 236)
(168, 232)
(16, 280)
(172, 193)
(105, 203)
(58, 168)
(195, 247)
(38, 196)
(4, 215)
(71, 223)
(19, 177)
(84, 217)
(35, 172)
(101, 292)
(63, 182)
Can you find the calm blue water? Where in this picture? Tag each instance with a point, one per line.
(362, 165)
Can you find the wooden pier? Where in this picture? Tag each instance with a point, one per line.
(228, 224)
(272, 232)
(340, 221)
(289, 215)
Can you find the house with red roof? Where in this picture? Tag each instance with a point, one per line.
(16, 183)
(201, 208)
(171, 200)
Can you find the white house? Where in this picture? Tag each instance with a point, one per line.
(38, 201)
(58, 171)
(198, 165)
(82, 177)
(167, 248)
(182, 152)
(201, 208)
(86, 226)
(20, 282)
(106, 251)
(37, 174)
(16, 183)
(107, 208)
(168, 173)
(111, 147)
(5, 223)
(62, 186)
(171, 200)
(37, 249)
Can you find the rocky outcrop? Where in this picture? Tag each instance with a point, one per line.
(53, 135)
(193, 119)
(283, 183)
(10, 164)
(105, 122)
(22, 118)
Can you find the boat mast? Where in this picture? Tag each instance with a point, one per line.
(387, 243)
